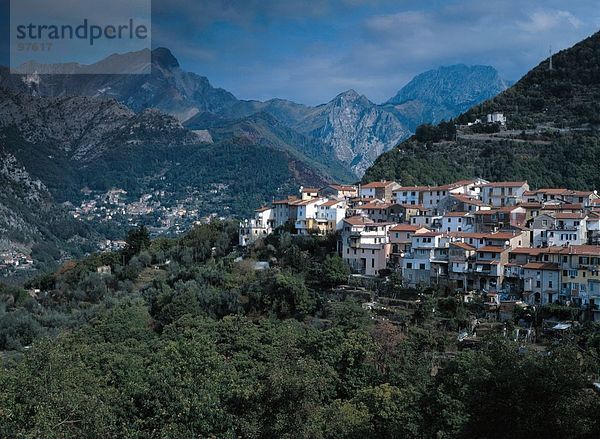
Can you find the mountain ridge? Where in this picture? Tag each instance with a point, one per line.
(553, 137)
(188, 96)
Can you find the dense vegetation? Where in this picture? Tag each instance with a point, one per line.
(185, 339)
(555, 114)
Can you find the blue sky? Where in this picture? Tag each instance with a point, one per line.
(309, 51)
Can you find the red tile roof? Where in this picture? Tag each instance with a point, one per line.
(342, 187)
(376, 205)
(331, 203)
(457, 214)
(505, 184)
(491, 249)
(463, 245)
(358, 220)
(541, 266)
(405, 228)
(378, 184)
(567, 215)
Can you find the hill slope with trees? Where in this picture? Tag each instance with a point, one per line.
(552, 136)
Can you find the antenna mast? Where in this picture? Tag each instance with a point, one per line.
(550, 64)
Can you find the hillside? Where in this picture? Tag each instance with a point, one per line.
(552, 137)
(30, 222)
(55, 150)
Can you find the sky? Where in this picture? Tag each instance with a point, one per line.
(310, 51)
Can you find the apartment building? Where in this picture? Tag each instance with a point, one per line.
(365, 245)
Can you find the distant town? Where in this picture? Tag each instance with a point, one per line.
(513, 244)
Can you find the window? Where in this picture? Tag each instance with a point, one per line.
(372, 263)
(421, 266)
(549, 284)
(409, 265)
(537, 284)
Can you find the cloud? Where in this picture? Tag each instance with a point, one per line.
(511, 36)
(546, 20)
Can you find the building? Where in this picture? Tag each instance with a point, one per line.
(495, 117)
(282, 212)
(505, 193)
(409, 195)
(541, 283)
(461, 203)
(559, 229)
(259, 227)
(427, 261)
(339, 191)
(461, 257)
(458, 222)
(381, 190)
(381, 211)
(365, 245)
(307, 221)
(400, 237)
(334, 212)
(308, 193)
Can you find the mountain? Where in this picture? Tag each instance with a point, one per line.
(354, 129)
(446, 92)
(269, 131)
(168, 88)
(71, 143)
(31, 223)
(552, 138)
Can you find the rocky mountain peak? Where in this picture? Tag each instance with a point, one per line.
(164, 57)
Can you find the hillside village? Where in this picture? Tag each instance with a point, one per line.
(504, 240)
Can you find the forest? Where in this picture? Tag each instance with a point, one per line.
(187, 337)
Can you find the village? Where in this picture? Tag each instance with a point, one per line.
(502, 240)
(154, 209)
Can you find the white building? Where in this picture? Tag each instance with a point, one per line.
(496, 118)
(457, 222)
(333, 212)
(259, 227)
(307, 220)
(281, 212)
(505, 193)
(559, 229)
(421, 265)
(365, 245)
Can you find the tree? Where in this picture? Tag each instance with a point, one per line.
(334, 271)
(137, 240)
